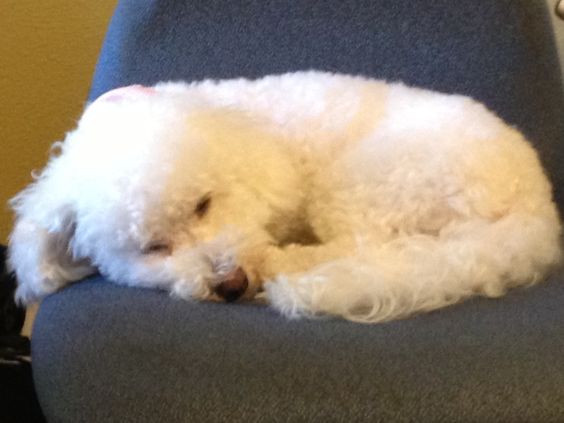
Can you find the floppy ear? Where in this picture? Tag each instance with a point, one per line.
(40, 250)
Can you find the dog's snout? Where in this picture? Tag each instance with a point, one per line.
(233, 285)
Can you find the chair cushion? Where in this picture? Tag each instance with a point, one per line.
(102, 352)
(108, 353)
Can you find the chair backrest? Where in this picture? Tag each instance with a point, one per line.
(501, 52)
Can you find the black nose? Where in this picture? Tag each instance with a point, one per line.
(233, 285)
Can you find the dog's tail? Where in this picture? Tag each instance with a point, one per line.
(423, 272)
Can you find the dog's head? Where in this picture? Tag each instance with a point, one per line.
(156, 187)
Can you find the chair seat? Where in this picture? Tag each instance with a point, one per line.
(103, 352)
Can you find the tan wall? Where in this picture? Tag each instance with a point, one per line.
(48, 50)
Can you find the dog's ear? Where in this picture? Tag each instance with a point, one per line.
(41, 256)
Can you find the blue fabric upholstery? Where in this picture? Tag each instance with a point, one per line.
(107, 353)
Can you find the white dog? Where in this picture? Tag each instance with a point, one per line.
(332, 194)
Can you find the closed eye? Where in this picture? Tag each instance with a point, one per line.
(157, 247)
(203, 206)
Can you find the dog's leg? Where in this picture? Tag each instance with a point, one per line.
(417, 273)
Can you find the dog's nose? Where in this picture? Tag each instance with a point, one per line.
(233, 285)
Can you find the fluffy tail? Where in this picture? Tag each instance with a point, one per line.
(423, 272)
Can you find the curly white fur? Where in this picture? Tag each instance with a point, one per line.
(339, 195)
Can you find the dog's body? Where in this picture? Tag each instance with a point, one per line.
(339, 195)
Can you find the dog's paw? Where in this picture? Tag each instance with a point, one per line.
(195, 288)
(289, 296)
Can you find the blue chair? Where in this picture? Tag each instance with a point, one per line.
(107, 353)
